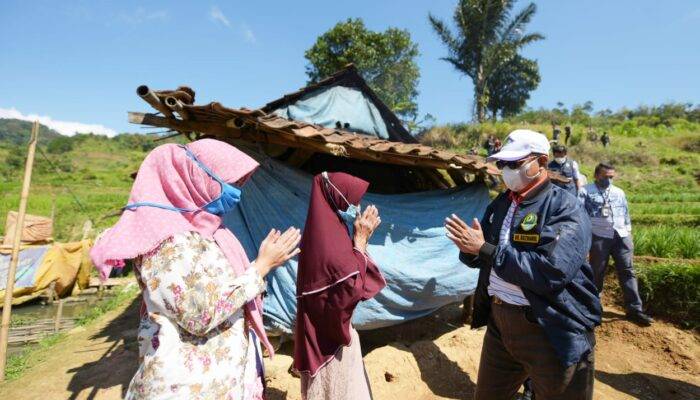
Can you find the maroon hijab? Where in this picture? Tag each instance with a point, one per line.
(332, 276)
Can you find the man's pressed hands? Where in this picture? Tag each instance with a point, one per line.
(468, 239)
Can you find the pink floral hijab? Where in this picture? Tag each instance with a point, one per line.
(168, 176)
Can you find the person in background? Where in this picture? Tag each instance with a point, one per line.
(607, 207)
(535, 290)
(490, 144)
(335, 274)
(201, 316)
(567, 134)
(497, 145)
(605, 139)
(556, 132)
(566, 167)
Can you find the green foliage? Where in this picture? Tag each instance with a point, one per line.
(487, 41)
(510, 86)
(671, 290)
(647, 121)
(60, 145)
(667, 241)
(663, 219)
(17, 132)
(386, 60)
(36, 353)
(96, 170)
(124, 295)
(663, 197)
(688, 208)
(22, 320)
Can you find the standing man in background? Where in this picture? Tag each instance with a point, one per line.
(605, 139)
(612, 235)
(556, 132)
(567, 134)
(535, 292)
(566, 167)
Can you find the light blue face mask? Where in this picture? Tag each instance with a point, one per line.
(350, 214)
(227, 201)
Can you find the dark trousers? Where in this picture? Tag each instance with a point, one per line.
(516, 348)
(622, 251)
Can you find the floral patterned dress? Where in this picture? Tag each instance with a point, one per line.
(194, 342)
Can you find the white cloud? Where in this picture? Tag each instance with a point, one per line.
(140, 15)
(248, 34)
(63, 127)
(218, 16)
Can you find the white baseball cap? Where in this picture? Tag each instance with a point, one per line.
(521, 143)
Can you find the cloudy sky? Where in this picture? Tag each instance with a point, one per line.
(76, 64)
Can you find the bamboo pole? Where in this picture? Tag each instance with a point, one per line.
(59, 315)
(9, 288)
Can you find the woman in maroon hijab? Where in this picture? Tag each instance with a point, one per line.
(335, 274)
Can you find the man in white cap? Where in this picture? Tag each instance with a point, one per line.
(535, 293)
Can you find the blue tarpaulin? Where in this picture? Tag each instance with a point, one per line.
(328, 106)
(419, 262)
(30, 260)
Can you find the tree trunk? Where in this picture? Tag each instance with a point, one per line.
(480, 89)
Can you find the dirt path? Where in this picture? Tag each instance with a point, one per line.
(431, 358)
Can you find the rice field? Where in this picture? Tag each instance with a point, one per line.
(666, 225)
(663, 197)
(679, 208)
(667, 241)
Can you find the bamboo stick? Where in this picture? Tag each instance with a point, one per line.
(9, 288)
(59, 314)
(149, 97)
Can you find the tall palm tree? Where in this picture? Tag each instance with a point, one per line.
(487, 39)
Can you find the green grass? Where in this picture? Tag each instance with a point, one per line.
(680, 220)
(35, 353)
(667, 241)
(17, 364)
(670, 290)
(95, 168)
(125, 294)
(22, 320)
(663, 197)
(686, 208)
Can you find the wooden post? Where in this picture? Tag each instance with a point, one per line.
(9, 288)
(59, 315)
(52, 292)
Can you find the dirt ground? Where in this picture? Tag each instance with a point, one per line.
(431, 358)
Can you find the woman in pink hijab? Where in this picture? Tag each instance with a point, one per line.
(201, 322)
(335, 274)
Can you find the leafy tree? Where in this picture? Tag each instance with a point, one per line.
(62, 144)
(386, 60)
(487, 40)
(509, 88)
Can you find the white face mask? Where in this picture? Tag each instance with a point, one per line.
(560, 160)
(517, 179)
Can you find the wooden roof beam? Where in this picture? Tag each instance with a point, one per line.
(256, 133)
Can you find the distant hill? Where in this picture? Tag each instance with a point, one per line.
(93, 169)
(15, 132)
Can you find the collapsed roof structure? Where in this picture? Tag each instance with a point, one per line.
(339, 124)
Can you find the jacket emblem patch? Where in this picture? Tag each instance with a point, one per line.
(529, 222)
(526, 238)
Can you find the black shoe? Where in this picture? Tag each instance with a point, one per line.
(640, 318)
